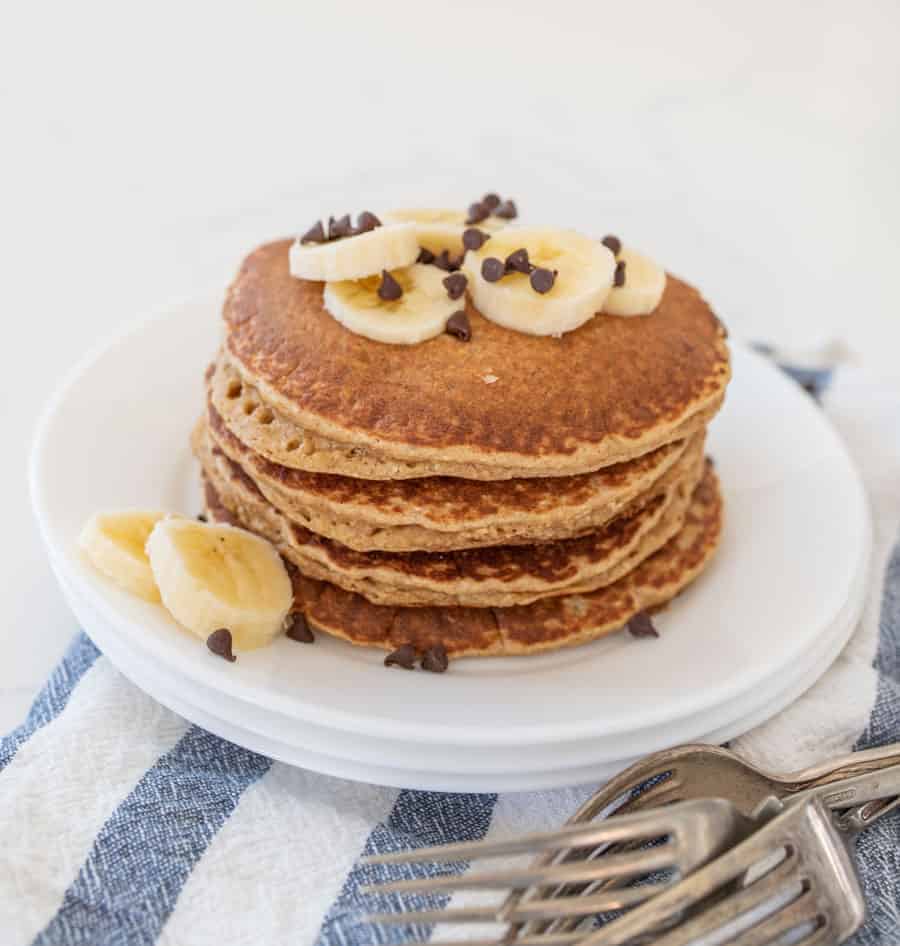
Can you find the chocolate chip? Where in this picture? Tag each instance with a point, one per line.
(619, 276)
(367, 221)
(458, 326)
(404, 656)
(389, 289)
(518, 262)
(443, 261)
(507, 210)
(435, 659)
(474, 239)
(219, 643)
(542, 280)
(612, 243)
(455, 284)
(201, 517)
(492, 269)
(491, 201)
(425, 256)
(340, 227)
(315, 234)
(641, 626)
(298, 630)
(477, 213)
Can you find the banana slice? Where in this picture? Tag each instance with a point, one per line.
(439, 230)
(584, 273)
(642, 289)
(419, 314)
(354, 257)
(213, 576)
(114, 543)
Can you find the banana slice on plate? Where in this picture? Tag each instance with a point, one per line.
(583, 277)
(420, 312)
(114, 543)
(214, 576)
(438, 230)
(643, 285)
(353, 257)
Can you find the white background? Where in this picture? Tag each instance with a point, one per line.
(753, 148)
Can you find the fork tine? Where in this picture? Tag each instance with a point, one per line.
(644, 825)
(619, 866)
(803, 909)
(663, 793)
(530, 909)
(547, 939)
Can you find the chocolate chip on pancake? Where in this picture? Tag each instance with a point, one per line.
(425, 256)
(201, 517)
(642, 626)
(404, 656)
(455, 284)
(298, 630)
(542, 280)
(491, 201)
(458, 326)
(389, 289)
(474, 239)
(443, 261)
(492, 269)
(612, 243)
(619, 275)
(506, 211)
(518, 262)
(315, 234)
(477, 212)
(219, 643)
(435, 659)
(342, 227)
(367, 221)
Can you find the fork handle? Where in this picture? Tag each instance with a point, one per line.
(854, 763)
(881, 783)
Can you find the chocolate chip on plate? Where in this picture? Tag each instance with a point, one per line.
(506, 211)
(542, 280)
(518, 262)
(298, 630)
(219, 643)
(492, 269)
(491, 201)
(315, 234)
(474, 239)
(619, 275)
(641, 626)
(435, 659)
(612, 243)
(367, 221)
(458, 326)
(404, 656)
(425, 256)
(455, 284)
(389, 289)
(340, 227)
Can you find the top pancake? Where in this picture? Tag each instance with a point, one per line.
(612, 390)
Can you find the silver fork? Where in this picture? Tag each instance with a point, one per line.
(687, 835)
(793, 876)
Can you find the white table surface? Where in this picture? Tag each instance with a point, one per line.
(753, 148)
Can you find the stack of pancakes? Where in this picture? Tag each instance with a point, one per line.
(505, 495)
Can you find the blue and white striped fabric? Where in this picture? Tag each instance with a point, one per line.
(122, 824)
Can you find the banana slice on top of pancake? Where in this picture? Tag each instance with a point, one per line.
(638, 285)
(343, 251)
(539, 280)
(438, 230)
(400, 307)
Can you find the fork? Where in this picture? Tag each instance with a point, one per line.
(694, 833)
(794, 875)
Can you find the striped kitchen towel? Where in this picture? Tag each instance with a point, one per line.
(120, 824)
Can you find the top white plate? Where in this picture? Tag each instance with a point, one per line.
(797, 533)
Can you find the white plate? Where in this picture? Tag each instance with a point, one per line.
(796, 538)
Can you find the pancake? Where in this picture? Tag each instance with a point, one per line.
(613, 390)
(445, 513)
(275, 438)
(543, 625)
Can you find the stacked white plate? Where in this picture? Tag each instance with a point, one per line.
(757, 629)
